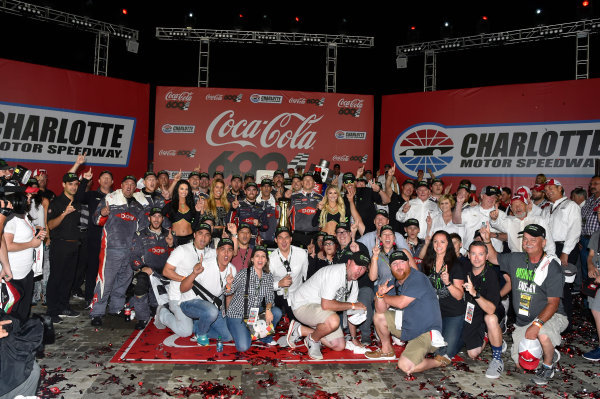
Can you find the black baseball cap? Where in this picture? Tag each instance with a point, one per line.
(69, 177)
(154, 210)
(248, 175)
(534, 230)
(309, 174)
(129, 177)
(362, 179)
(236, 177)
(225, 241)
(194, 173)
(343, 225)
(361, 258)
(398, 255)
(328, 237)
(386, 227)
(162, 172)
(490, 190)
(218, 172)
(421, 183)
(348, 177)
(244, 225)
(106, 171)
(204, 174)
(282, 229)
(278, 172)
(409, 181)
(260, 248)
(465, 186)
(297, 176)
(206, 217)
(33, 182)
(203, 226)
(251, 184)
(382, 212)
(4, 165)
(437, 180)
(149, 174)
(412, 222)
(268, 182)
(368, 171)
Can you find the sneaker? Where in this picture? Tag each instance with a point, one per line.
(55, 319)
(271, 343)
(97, 321)
(593, 355)
(157, 323)
(314, 348)
(379, 355)
(282, 341)
(68, 313)
(293, 333)
(202, 340)
(555, 357)
(504, 346)
(78, 295)
(194, 338)
(141, 324)
(89, 306)
(543, 375)
(495, 369)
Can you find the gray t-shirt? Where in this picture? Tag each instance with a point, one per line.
(594, 245)
(528, 298)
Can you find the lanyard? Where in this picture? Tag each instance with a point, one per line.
(198, 256)
(438, 278)
(286, 263)
(245, 256)
(221, 278)
(348, 290)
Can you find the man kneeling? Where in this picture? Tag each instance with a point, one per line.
(315, 303)
(408, 309)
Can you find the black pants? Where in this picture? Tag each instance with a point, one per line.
(22, 308)
(567, 297)
(63, 264)
(282, 304)
(80, 273)
(302, 239)
(93, 262)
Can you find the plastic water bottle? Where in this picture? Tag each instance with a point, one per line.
(219, 344)
(127, 313)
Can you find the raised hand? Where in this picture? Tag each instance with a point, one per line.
(383, 289)
(494, 214)
(69, 209)
(198, 268)
(88, 175)
(406, 207)
(80, 160)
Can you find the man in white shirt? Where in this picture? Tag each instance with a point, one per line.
(564, 220)
(512, 225)
(288, 265)
(330, 290)
(419, 208)
(180, 264)
(475, 217)
(206, 303)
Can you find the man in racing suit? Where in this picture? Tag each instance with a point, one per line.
(249, 211)
(304, 206)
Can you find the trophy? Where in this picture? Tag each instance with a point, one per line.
(284, 208)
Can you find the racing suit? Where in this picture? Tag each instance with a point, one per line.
(247, 212)
(304, 206)
(127, 215)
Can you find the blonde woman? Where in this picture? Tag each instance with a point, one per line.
(217, 204)
(331, 211)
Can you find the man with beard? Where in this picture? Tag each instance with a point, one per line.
(204, 183)
(278, 190)
(120, 213)
(538, 282)
(242, 259)
(538, 197)
(214, 275)
(249, 211)
(235, 192)
(590, 221)
(407, 307)
(94, 233)
(150, 249)
(315, 304)
(419, 208)
(364, 199)
(512, 225)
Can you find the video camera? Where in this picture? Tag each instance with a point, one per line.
(14, 183)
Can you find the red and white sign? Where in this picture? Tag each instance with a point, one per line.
(247, 130)
(48, 116)
(501, 135)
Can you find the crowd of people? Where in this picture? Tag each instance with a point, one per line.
(409, 263)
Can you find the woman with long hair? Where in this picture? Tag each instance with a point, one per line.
(217, 205)
(252, 288)
(443, 221)
(21, 241)
(38, 212)
(331, 211)
(182, 213)
(447, 277)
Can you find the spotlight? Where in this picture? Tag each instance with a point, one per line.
(124, 11)
(538, 11)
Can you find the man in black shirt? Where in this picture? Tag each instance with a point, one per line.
(63, 222)
(42, 179)
(365, 200)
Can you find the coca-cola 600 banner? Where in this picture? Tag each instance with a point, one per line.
(246, 130)
(48, 116)
(496, 135)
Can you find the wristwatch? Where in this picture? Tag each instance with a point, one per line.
(477, 296)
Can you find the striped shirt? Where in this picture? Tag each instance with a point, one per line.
(258, 290)
(589, 217)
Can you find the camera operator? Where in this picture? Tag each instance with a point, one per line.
(5, 211)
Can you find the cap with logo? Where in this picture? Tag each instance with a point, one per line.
(248, 176)
(308, 174)
(398, 255)
(129, 177)
(218, 173)
(421, 183)
(408, 181)
(278, 172)
(530, 353)
(361, 258)
(225, 241)
(4, 165)
(383, 213)
(204, 175)
(523, 192)
(207, 217)
(534, 230)
(155, 210)
(553, 182)
(162, 172)
(260, 248)
(244, 225)
(490, 190)
(251, 184)
(348, 178)
(436, 180)
(282, 229)
(109, 173)
(537, 187)
(368, 172)
(465, 186)
(149, 174)
(297, 176)
(329, 238)
(233, 177)
(203, 226)
(69, 177)
(266, 182)
(411, 222)
(343, 225)
(192, 174)
(520, 198)
(386, 227)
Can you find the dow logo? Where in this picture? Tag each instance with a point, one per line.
(423, 147)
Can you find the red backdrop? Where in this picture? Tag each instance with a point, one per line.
(501, 135)
(48, 115)
(246, 130)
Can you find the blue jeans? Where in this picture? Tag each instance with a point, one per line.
(452, 331)
(207, 319)
(241, 334)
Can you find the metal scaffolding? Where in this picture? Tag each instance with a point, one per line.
(331, 42)
(580, 30)
(103, 30)
(429, 74)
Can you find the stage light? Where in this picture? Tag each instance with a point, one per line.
(297, 19)
(538, 11)
(585, 3)
(485, 18)
(191, 15)
(124, 11)
(413, 27)
(446, 24)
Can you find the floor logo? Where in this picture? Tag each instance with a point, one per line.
(422, 147)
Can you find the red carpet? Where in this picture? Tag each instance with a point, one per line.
(152, 345)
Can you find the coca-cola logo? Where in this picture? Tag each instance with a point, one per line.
(127, 216)
(157, 250)
(291, 130)
(308, 211)
(167, 153)
(214, 97)
(356, 103)
(179, 100)
(297, 100)
(311, 101)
